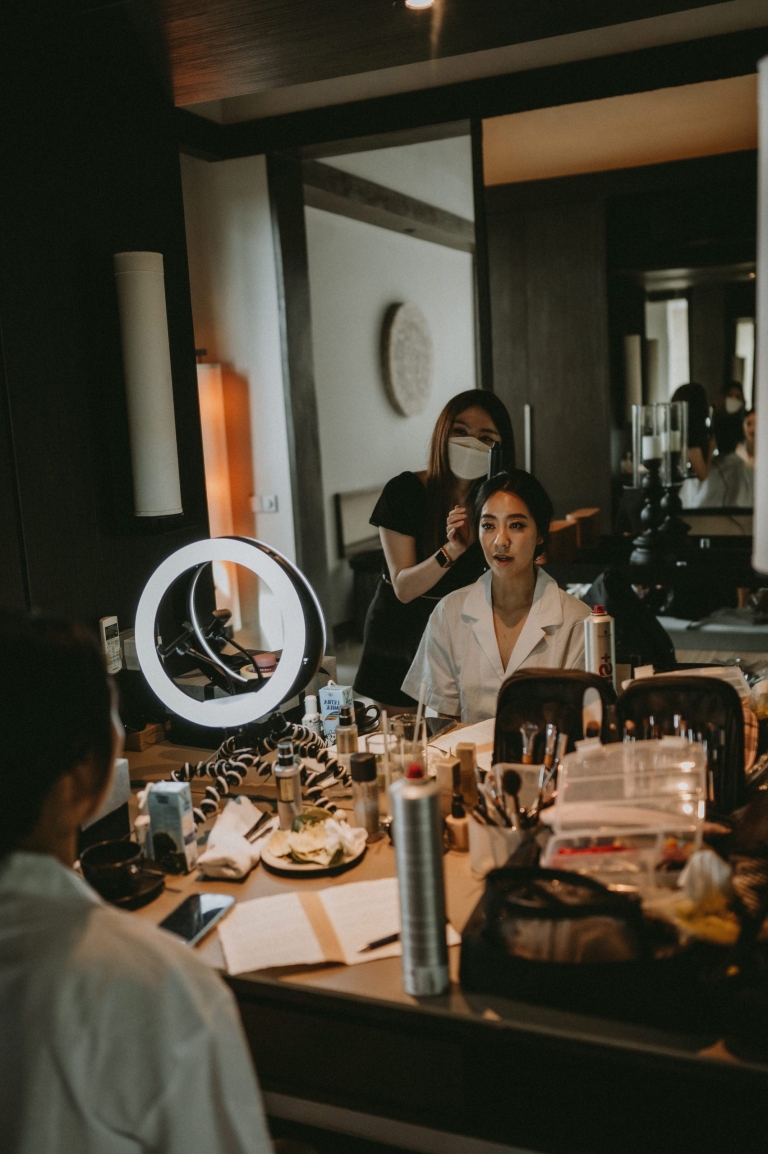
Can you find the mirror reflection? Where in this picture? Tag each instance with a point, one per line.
(212, 639)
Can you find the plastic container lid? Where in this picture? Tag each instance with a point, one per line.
(310, 705)
(346, 717)
(363, 766)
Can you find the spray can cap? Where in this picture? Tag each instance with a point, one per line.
(599, 611)
(310, 704)
(285, 752)
(363, 766)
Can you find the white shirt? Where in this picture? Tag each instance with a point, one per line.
(459, 658)
(114, 1037)
(729, 484)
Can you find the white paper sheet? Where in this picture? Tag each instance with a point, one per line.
(276, 931)
(268, 932)
(364, 912)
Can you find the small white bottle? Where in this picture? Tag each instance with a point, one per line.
(312, 719)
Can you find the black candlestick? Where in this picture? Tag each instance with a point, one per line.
(651, 547)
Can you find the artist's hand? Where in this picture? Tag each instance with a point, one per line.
(457, 526)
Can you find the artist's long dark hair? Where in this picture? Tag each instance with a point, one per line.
(55, 712)
(698, 415)
(440, 479)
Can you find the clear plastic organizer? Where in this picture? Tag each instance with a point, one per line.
(638, 858)
(640, 785)
(625, 813)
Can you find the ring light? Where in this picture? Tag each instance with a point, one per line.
(303, 632)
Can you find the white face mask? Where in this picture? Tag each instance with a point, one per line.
(732, 404)
(467, 458)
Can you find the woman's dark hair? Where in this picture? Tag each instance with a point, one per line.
(440, 479)
(530, 491)
(55, 706)
(729, 431)
(698, 415)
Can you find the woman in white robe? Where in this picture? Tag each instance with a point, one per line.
(513, 617)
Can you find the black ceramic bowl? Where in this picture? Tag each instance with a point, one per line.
(113, 868)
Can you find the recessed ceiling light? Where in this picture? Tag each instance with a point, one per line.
(419, 3)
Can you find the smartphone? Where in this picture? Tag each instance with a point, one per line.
(196, 915)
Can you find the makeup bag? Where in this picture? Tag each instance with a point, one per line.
(542, 696)
(707, 705)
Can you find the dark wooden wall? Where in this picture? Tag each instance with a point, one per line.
(550, 341)
(90, 168)
(567, 262)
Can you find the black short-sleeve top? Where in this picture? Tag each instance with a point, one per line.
(402, 507)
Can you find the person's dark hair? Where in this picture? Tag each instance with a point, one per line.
(698, 415)
(439, 476)
(530, 491)
(728, 432)
(55, 707)
(732, 385)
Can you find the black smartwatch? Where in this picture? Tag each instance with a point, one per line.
(443, 559)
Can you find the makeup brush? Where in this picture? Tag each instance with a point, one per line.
(510, 784)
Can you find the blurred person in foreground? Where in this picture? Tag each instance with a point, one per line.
(114, 1037)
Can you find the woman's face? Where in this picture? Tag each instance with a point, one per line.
(475, 422)
(749, 433)
(508, 536)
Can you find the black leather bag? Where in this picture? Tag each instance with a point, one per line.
(706, 704)
(542, 696)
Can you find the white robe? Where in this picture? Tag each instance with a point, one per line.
(459, 659)
(114, 1037)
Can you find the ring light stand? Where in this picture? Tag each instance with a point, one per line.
(246, 699)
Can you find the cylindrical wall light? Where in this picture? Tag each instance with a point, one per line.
(760, 391)
(148, 383)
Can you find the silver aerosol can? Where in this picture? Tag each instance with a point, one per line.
(418, 836)
(288, 781)
(600, 645)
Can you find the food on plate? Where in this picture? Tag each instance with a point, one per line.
(316, 838)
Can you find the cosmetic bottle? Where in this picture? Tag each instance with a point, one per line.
(365, 793)
(346, 737)
(465, 751)
(312, 719)
(458, 825)
(288, 781)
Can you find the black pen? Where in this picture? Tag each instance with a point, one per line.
(379, 943)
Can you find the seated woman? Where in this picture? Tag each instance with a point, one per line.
(729, 482)
(114, 1037)
(513, 617)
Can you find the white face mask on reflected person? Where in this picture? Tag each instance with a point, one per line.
(732, 404)
(467, 458)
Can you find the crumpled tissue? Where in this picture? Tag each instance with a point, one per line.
(228, 853)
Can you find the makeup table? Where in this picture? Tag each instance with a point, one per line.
(345, 1049)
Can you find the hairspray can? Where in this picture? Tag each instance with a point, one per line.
(599, 645)
(418, 835)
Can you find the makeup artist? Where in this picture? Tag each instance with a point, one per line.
(427, 533)
(514, 617)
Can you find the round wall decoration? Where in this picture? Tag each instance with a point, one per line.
(406, 354)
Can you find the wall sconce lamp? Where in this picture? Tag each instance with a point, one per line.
(148, 383)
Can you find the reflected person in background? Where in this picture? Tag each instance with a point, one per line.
(428, 537)
(746, 447)
(513, 617)
(701, 443)
(114, 1037)
(729, 484)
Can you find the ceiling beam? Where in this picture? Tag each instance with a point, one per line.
(342, 193)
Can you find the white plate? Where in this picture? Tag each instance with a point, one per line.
(285, 867)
